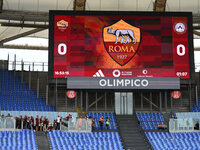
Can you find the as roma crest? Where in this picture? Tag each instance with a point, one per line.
(121, 41)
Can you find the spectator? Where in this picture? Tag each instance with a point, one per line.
(101, 121)
(17, 123)
(107, 123)
(32, 122)
(37, 123)
(21, 121)
(25, 122)
(41, 123)
(54, 125)
(69, 117)
(8, 115)
(2, 116)
(58, 123)
(45, 124)
(196, 127)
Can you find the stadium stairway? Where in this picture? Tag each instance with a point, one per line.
(42, 140)
(133, 138)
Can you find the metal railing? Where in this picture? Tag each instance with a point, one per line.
(184, 125)
(7, 123)
(77, 125)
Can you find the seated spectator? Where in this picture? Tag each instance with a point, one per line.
(162, 127)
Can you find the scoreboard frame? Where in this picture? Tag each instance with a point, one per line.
(52, 13)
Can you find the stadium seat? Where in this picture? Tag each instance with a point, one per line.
(150, 121)
(171, 141)
(16, 96)
(81, 141)
(18, 140)
(110, 116)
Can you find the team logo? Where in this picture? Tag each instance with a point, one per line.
(62, 25)
(121, 41)
(180, 27)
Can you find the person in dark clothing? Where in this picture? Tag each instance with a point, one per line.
(196, 127)
(101, 121)
(37, 123)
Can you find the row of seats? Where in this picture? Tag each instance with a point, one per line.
(16, 96)
(150, 121)
(174, 141)
(85, 141)
(18, 140)
(196, 108)
(96, 117)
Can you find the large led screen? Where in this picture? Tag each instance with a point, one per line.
(103, 44)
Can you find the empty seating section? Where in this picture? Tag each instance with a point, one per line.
(96, 117)
(174, 141)
(18, 140)
(85, 141)
(50, 115)
(150, 121)
(16, 96)
(196, 108)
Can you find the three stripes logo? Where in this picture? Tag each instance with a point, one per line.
(99, 73)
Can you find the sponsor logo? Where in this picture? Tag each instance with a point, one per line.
(99, 73)
(123, 82)
(62, 25)
(121, 40)
(116, 73)
(180, 28)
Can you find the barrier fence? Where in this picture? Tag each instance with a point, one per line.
(184, 125)
(77, 125)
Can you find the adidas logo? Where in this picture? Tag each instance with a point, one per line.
(99, 73)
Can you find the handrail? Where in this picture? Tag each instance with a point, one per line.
(151, 102)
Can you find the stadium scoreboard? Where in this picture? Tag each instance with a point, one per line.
(119, 44)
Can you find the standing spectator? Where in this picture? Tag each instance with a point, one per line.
(41, 123)
(58, 123)
(107, 123)
(30, 123)
(21, 121)
(47, 121)
(91, 123)
(37, 123)
(45, 124)
(17, 123)
(25, 122)
(54, 124)
(101, 121)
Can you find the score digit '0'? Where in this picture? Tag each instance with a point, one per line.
(62, 49)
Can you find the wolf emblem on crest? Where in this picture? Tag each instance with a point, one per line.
(121, 41)
(126, 35)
